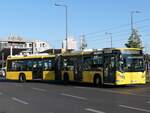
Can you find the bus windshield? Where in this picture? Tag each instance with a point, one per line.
(132, 63)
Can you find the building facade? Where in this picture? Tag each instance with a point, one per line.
(17, 45)
(39, 46)
(71, 44)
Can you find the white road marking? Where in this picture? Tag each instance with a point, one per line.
(39, 89)
(133, 108)
(20, 101)
(116, 92)
(73, 96)
(125, 93)
(18, 85)
(93, 110)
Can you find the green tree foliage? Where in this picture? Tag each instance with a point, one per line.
(134, 40)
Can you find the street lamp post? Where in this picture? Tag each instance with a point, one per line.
(3, 60)
(110, 34)
(133, 12)
(66, 14)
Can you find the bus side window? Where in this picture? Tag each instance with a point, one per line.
(14, 66)
(50, 64)
(40, 64)
(11, 65)
(87, 64)
(34, 65)
(45, 65)
(68, 63)
(65, 63)
(112, 62)
(96, 63)
(29, 65)
(24, 65)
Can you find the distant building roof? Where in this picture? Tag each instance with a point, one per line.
(52, 51)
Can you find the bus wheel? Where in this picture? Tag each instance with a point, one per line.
(66, 78)
(97, 81)
(22, 78)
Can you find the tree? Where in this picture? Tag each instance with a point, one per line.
(134, 40)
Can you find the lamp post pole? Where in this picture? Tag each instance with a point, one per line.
(132, 13)
(3, 60)
(66, 15)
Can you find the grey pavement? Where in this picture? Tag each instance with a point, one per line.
(37, 97)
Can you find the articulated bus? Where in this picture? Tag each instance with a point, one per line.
(107, 66)
(31, 67)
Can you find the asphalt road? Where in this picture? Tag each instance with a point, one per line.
(34, 97)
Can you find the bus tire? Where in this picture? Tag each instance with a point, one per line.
(98, 81)
(66, 78)
(22, 78)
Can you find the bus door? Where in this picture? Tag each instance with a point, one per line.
(109, 68)
(37, 72)
(78, 69)
(58, 64)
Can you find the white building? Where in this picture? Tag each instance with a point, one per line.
(17, 45)
(71, 44)
(39, 46)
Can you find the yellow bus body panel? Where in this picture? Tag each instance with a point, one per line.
(48, 75)
(70, 74)
(88, 76)
(15, 75)
(130, 78)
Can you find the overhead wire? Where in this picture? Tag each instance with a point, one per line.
(116, 34)
(99, 37)
(116, 27)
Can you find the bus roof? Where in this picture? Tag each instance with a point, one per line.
(132, 50)
(31, 56)
(121, 49)
(77, 53)
(99, 51)
(128, 48)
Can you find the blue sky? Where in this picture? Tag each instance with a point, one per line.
(41, 20)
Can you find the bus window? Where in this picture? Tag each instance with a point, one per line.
(112, 62)
(11, 66)
(87, 63)
(98, 61)
(35, 64)
(68, 63)
(40, 64)
(29, 65)
(48, 64)
(45, 65)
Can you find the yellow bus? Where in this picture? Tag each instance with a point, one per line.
(115, 66)
(31, 67)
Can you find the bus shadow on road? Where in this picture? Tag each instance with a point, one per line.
(76, 84)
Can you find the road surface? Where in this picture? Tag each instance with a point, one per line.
(35, 97)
